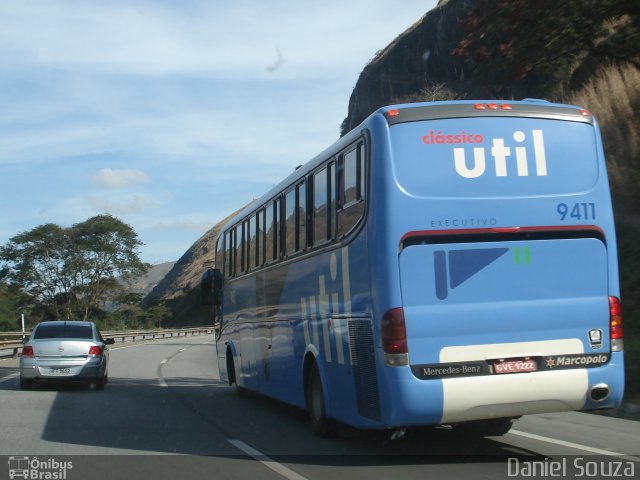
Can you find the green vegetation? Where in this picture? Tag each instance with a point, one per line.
(51, 272)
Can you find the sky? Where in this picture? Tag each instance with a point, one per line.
(170, 115)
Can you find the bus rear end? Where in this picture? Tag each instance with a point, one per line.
(508, 299)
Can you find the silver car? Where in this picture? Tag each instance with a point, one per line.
(67, 351)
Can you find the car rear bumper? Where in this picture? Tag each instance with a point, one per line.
(91, 370)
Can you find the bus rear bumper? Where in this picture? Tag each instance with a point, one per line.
(444, 401)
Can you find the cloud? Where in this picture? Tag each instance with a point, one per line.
(221, 39)
(199, 223)
(110, 178)
(120, 205)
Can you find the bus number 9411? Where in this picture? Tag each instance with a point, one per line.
(577, 211)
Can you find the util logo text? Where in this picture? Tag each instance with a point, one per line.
(501, 154)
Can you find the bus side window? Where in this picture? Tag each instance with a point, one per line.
(290, 222)
(220, 247)
(351, 180)
(229, 254)
(252, 250)
(237, 248)
(332, 199)
(270, 234)
(320, 207)
(301, 214)
(260, 238)
(277, 228)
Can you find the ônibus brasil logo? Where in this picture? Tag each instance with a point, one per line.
(500, 152)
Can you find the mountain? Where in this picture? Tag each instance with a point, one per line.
(148, 282)
(180, 287)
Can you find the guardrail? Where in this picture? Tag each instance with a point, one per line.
(11, 342)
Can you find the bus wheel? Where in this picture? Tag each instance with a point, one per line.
(485, 428)
(231, 372)
(320, 424)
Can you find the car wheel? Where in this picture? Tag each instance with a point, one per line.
(25, 384)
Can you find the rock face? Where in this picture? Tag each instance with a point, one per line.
(508, 49)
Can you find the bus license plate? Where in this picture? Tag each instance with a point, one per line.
(60, 371)
(515, 366)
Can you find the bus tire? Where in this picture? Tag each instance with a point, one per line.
(231, 372)
(494, 427)
(320, 424)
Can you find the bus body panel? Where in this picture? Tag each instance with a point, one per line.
(496, 238)
(308, 308)
(503, 292)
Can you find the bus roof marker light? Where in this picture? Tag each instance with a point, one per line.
(393, 113)
(584, 113)
(479, 106)
(492, 106)
(506, 106)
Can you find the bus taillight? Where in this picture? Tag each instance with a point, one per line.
(394, 338)
(615, 324)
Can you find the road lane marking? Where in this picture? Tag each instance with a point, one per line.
(8, 378)
(266, 461)
(576, 446)
(161, 380)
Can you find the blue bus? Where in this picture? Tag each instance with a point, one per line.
(446, 263)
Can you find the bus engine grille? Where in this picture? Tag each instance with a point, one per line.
(364, 367)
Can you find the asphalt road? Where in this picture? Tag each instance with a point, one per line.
(165, 414)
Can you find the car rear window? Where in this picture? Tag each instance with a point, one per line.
(63, 331)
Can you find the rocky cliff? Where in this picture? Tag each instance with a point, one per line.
(498, 49)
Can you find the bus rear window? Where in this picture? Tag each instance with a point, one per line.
(494, 157)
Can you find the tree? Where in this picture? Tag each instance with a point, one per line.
(72, 270)
(107, 248)
(37, 261)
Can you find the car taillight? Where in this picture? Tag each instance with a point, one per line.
(615, 324)
(27, 351)
(95, 351)
(394, 333)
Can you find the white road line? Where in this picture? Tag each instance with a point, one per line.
(577, 446)
(262, 458)
(8, 378)
(164, 361)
